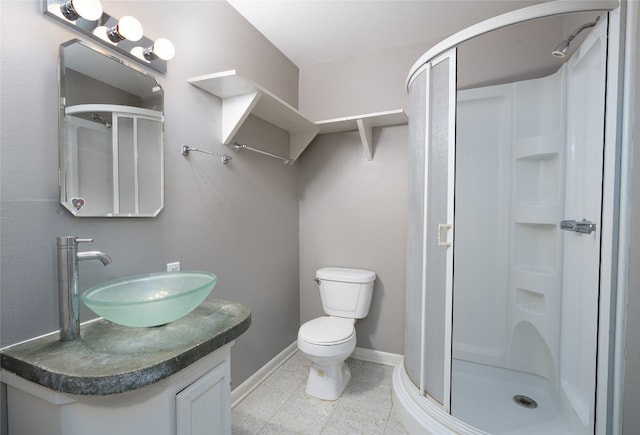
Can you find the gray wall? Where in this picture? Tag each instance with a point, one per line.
(353, 214)
(358, 85)
(239, 221)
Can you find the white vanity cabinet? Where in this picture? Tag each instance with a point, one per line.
(195, 400)
(204, 407)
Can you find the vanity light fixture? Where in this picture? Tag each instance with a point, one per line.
(128, 28)
(161, 49)
(125, 36)
(90, 10)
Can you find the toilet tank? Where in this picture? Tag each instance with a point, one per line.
(345, 292)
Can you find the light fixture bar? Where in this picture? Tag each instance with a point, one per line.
(124, 47)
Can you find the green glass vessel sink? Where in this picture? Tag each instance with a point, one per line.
(150, 300)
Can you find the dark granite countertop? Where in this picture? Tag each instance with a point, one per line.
(111, 358)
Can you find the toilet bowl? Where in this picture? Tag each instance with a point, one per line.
(329, 340)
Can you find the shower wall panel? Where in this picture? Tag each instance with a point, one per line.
(508, 206)
(483, 147)
(537, 197)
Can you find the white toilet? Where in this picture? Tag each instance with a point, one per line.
(329, 340)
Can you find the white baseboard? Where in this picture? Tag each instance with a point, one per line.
(242, 390)
(376, 356)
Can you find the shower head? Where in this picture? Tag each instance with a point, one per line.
(561, 50)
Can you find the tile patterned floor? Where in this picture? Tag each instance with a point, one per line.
(280, 405)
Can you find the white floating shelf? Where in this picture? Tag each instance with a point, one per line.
(365, 125)
(242, 97)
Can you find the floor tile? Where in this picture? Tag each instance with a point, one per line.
(280, 405)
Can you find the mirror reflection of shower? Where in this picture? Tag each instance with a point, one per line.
(99, 118)
(561, 50)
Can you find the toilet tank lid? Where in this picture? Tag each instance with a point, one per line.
(345, 275)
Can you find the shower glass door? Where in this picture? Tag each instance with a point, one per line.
(528, 199)
(439, 176)
(430, 231)
(438, 228)
(586, 77)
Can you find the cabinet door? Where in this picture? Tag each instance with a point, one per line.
(204, 407)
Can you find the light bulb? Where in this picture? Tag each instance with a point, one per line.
(128, 28)
(162, 48)
(138, 52)
(101, 32)
(88, 9)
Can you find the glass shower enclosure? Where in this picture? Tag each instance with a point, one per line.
(508, 222)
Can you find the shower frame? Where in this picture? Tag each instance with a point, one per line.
(417, 410)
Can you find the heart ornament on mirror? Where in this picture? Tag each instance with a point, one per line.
(77, 203)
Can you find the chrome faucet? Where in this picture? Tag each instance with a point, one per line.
(68, 294)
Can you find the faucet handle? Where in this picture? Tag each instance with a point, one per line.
(67, 241)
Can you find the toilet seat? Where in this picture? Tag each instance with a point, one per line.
(327, 331)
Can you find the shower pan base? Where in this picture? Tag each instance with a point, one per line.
(480, 394)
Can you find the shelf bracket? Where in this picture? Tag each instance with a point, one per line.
(235, 110)
(366, 137)
(299, 140)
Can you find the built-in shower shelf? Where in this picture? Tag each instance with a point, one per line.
(533, 283)
(533, 270)
(543, 147)
(242, 97)
(533, 308)
(536, 213)
(537, 156)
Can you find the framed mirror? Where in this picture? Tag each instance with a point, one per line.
(110, 135)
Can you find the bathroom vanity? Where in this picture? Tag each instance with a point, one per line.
(171, 379)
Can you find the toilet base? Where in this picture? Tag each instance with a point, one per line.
(327, 382)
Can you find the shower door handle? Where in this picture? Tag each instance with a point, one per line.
(444, 227)
(583, 227)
